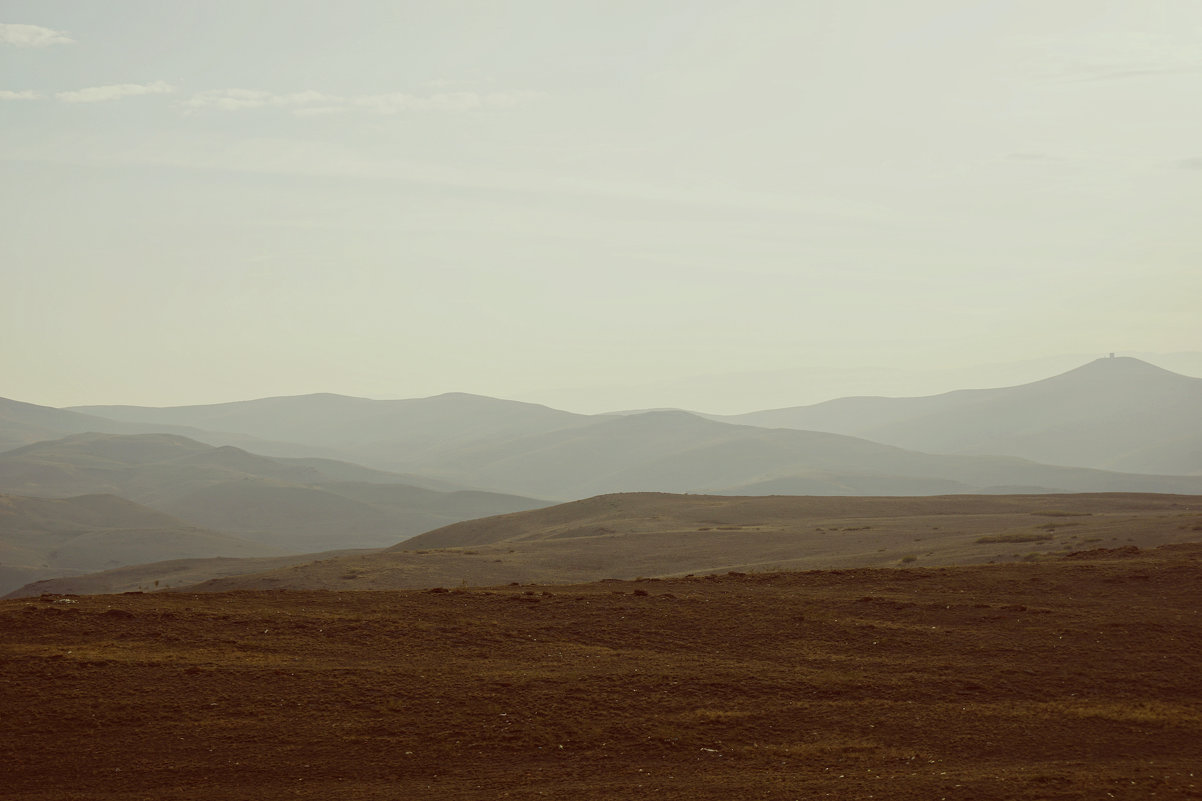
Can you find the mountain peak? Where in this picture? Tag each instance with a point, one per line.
(1118, 367)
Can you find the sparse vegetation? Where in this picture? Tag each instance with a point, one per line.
(1061, 513)
(1017, 537)
(739, 685)
(1054, 526)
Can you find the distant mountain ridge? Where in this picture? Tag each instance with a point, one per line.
(26, 423)
(1028, 438)
(385, 433)
(1117, 413)
(294, 504)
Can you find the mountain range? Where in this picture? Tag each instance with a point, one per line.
(1115, 413)
(365, 473)
(1118, 415)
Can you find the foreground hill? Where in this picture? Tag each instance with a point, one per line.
(649, 534)
(43, 537)
(1073, 679)
(1114, 414)
(300, 505)
(162, 575)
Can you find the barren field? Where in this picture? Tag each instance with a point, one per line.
(1074, 678)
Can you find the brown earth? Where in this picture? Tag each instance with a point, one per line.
(1071, 678)
(634, 535)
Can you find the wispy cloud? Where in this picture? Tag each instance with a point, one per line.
(116, 91)
(237, 99)
(318, 111)
(32, 35)
(9, 94)
(397, 102)
(311, 103)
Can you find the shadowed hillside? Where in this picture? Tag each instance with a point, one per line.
(43, 537)
(27, 423)
(294, 504)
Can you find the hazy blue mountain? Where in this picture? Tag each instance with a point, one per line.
(25, 423)
(293, 504)
(682, 452)
(1121, 417)
(382, 433)
(44, 537)
(1113, 413)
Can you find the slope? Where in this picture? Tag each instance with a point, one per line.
(652, 534)
(299, 505)
(26, 423)
(680, 452)
(42, 537)
(1115, 413)
(394, 434)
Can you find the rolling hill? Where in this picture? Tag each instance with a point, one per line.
(1119, 414)
(43, 537)
(1109, 413)
(680, 452)
(654, 534)
(393, 434)
(298, 505)
(154, 576)
(26, 423)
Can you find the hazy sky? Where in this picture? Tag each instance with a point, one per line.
(208, 201)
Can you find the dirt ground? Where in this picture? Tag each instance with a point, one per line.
(1078, 678)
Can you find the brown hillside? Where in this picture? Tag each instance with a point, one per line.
(653, 534)
(1072, 679)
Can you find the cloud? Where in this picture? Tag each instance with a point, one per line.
(318, 111)
(116, 91)
(310, 103)
(237, 99)
(397, 102)
(9, 94)
(31, 36)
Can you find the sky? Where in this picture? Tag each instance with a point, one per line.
(591, 204)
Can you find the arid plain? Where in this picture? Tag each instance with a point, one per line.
(1073, 678)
